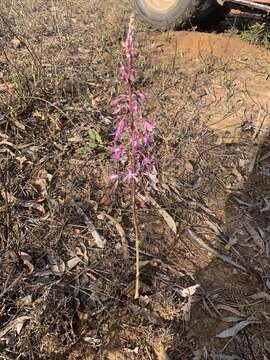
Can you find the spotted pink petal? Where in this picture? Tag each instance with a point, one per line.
(153, 179)
(146, 139)
(134, 143)
(119, 129)
(129, 45)
(118, 100)
(117, 153)
(123, 74)
(148, 126)
(131, 177)
(137, 109)
(147, 162)
(114, 178)
(141, 95)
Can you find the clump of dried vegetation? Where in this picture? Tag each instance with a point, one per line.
(67, 242)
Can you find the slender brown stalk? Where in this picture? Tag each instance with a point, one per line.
(137, 241)
(133, 164)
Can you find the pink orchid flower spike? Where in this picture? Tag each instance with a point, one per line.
(133, 135)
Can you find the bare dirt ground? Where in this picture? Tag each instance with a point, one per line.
(205, 287)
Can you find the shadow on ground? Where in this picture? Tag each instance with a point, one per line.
(230, 296)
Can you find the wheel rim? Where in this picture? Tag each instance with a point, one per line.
(161, 5)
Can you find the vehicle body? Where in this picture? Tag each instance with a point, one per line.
(177, 14)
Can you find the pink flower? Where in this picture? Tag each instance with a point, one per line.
(133, 132)
(117, 153)
(146, 139)
(147, 162)
(118, 100)
(131, 177)
(114, 178)
(129, 45)
(117, 111)
(134, 143)
(119, 129)
(141, 95)
(147, 126)
(153, 179)
(123, 74)
(135, 107)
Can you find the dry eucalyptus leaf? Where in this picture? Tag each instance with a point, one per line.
(16, 42)
(16, 324)
(188, 167)
(186, 310)
(77, 139)
(201, 354)
(197, 355)
(229, 309)
(57, 265)
(82, 252)
(27, 261)
(234, 330)
(168, 219)
(73, 262)
(58, 268)
(42, 274)
(19, 125)
(121, 233)
(26, 300)
(166, 216)
(19, 323)
(99, 239)
(187, 292)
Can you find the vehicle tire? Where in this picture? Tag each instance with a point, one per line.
(179, 14)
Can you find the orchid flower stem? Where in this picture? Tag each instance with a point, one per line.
(133, 189)
(137, 241)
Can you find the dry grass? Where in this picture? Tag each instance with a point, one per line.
(61, 296)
